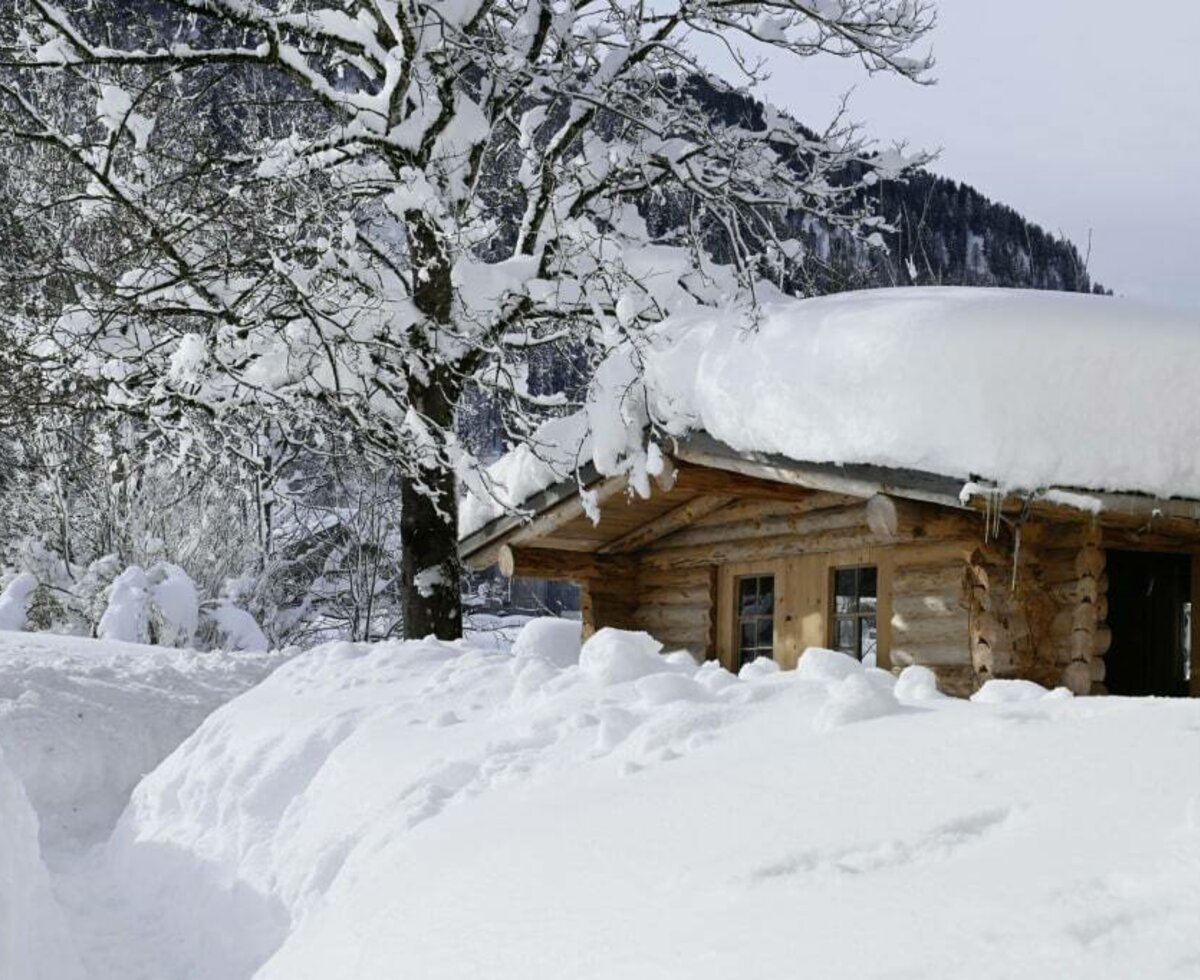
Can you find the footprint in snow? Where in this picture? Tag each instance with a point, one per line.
(942, 842)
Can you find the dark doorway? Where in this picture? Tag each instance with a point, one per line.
(1149, 613)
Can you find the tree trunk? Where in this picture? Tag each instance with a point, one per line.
(431, 575)
(430, 570)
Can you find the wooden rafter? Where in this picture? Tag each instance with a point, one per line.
(674, 519)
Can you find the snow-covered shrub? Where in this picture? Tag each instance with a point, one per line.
(175, 609)
(14, 601)
(49, 606)
(89, 592)
(236, 628)
(127, 616)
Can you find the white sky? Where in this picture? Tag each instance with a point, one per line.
(1081, 114)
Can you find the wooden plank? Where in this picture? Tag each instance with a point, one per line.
(710, 649)
(769, 527)
(704, 479)
(672, 578)
(770, 548)
(911, 607)
(941, 653)
(885, 570)
(673, 619)
(673, 520)
(699, 594)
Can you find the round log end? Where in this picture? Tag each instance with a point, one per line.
(506, 561)
(1077, 678)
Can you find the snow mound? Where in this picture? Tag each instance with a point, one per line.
(819, 664)
(1010, 692)
(81, 721)
(176, 604)
(880, 368)
(917, 683)
(276, 818)
(555, 640)
(613, 656)
(759, 667)
(855, 698)
(126, 618)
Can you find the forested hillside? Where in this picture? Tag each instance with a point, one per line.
(940, 232)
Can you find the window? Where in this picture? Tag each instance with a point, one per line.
(755, 618)
(853, 621)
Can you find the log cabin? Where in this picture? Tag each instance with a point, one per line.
(738, 554)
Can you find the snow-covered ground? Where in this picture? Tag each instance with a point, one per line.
(444, 810)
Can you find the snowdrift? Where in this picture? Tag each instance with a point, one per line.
(82, 721)
(1029, 389)
(34, 942)
(441, 811)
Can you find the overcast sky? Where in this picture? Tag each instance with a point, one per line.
(1081, 114)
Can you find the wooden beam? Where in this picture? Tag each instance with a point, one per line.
(673, 520)
(570, 510)
(570, 566)
(546, 523)
(706, 480)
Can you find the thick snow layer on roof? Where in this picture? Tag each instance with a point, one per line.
(1027, 389)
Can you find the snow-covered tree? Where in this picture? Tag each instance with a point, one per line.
(344, 215)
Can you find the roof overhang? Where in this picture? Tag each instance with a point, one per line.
(861, 480)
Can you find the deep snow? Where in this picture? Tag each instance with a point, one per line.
(81, 721)
(440, 810)
(1029, 389)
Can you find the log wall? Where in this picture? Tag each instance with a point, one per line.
(969, 609)
(686, 581)
(930, 623)
(1046, 622)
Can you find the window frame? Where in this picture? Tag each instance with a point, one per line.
(859, 614)
(736, 651)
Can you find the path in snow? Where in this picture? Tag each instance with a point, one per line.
(81, 722)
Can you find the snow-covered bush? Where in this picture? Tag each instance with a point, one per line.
(175, 605)
(14, 601)
(127, 616)
(236, 628)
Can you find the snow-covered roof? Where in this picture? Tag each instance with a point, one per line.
(1025, 389)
